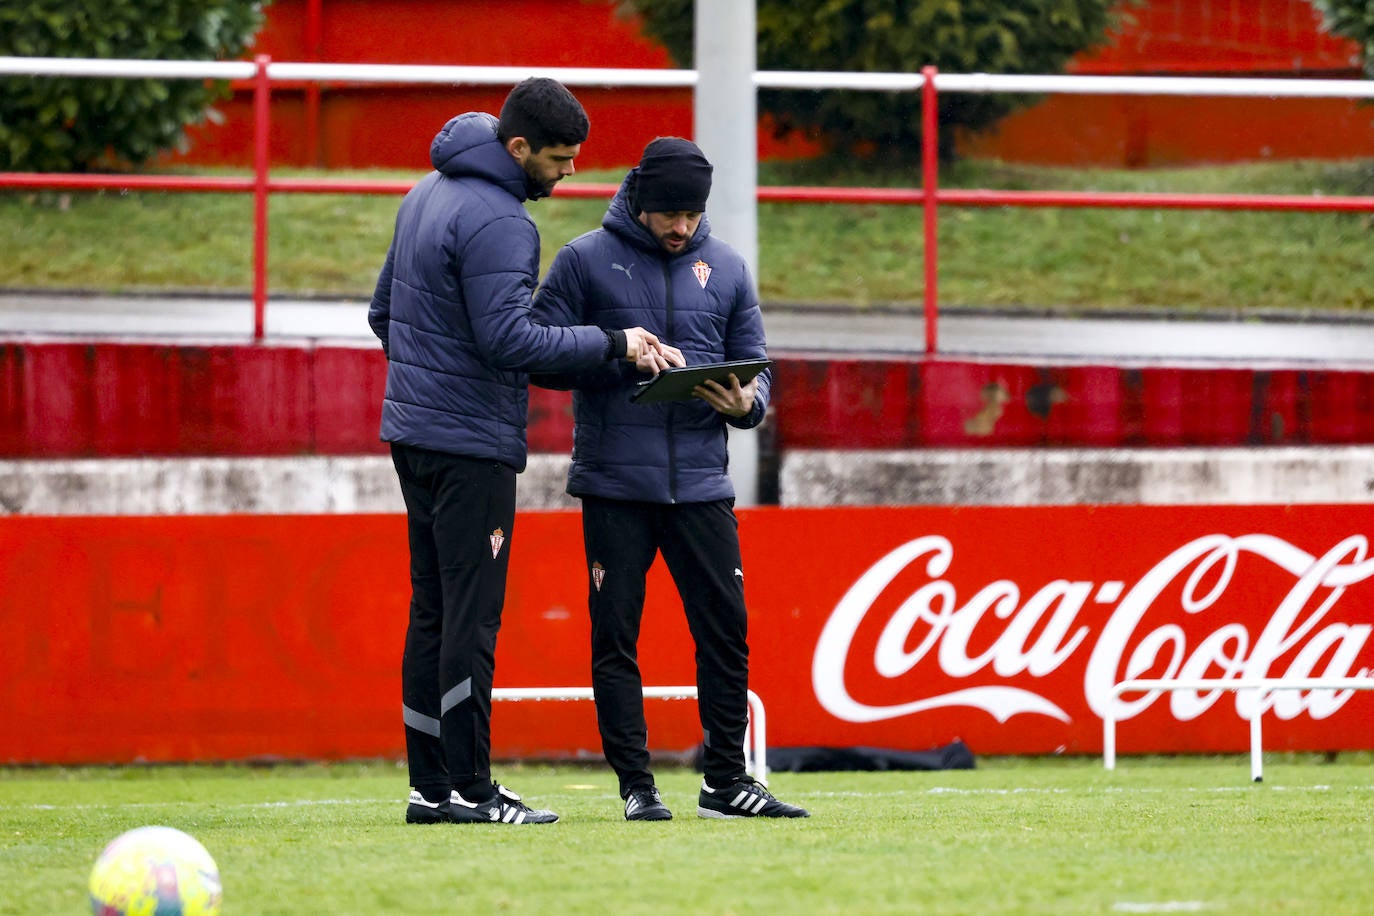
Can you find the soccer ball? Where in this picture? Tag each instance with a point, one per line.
(155, 871)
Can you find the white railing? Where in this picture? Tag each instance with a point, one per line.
(1270, 88)
(755, 732)
(263, 72)
(1261, 687)
(764, 79)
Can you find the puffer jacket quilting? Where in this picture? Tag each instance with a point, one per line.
(452, 304)
(702, 301)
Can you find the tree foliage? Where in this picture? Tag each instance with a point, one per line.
(1353, 19)
(958, 36)
(64, 124)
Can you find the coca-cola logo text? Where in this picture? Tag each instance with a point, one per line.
(1031, 638)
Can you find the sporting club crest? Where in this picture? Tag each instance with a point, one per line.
(702, 271)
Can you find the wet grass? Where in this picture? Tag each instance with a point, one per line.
(1063, 259)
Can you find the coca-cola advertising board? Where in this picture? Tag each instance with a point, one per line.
(1009, 627)
(174, 638)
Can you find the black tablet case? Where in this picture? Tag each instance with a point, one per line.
(676, 383)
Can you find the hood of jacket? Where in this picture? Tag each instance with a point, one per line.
(620, 220)
(467, 147)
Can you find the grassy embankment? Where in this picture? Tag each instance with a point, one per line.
(1071, 260)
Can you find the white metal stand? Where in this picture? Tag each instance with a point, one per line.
(1261, 686)
(755, 733)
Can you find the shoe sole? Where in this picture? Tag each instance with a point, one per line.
(652, 816)
(486, 820)
(420, 815)
(703, 811)
(426, 816)
(720, 815)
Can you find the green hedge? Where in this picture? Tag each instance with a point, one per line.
(63, 124)
(1352, 19)
(958, 36)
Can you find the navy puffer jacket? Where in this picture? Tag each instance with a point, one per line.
(452, 304)
(700, 300)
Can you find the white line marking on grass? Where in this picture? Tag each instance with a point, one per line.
(557, 797)
(290, 803)
(1059, 790)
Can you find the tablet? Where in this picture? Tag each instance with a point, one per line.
(676, 383)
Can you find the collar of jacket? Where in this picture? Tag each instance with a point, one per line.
(467, 146)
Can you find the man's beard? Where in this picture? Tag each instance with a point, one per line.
(536, 189)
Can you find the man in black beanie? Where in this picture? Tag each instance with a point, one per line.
(652, 478)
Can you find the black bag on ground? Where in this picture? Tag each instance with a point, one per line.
(953, 756)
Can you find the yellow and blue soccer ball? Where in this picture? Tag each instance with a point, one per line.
(155, 871)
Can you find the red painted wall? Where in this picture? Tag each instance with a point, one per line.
(1222, 36)
(111, 399)
(391, 126)
(1197, 38)
(192, 638)
(1165, 131)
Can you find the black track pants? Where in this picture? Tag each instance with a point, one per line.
(460, 514)
(700, 545)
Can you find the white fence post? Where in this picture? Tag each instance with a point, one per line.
(725, 107)
(1261, 686)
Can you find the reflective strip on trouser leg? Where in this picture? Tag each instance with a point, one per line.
(454, 697)
(420, 722)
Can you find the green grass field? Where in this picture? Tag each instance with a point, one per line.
(1012, 836)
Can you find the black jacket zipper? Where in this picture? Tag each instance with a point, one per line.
(672, 410)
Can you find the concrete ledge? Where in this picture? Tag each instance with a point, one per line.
(1031, 477)
(935, 477)
(229, 486)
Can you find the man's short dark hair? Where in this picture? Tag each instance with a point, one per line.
(545, 113)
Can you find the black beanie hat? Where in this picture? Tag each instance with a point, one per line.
(674, 176)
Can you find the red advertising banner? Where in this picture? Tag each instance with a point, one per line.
(181, 638)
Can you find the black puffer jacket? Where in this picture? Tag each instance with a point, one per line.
(700, 300)
(452, 304)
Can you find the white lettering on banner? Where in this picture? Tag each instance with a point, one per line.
(1287, 629)
(946, 628)
(832, 649)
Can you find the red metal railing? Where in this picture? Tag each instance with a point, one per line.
(261, 185)
(930, 177)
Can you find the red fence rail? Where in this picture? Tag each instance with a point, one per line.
(261, 185)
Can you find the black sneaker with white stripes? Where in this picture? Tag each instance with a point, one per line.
(745, 798)
(505, 807)
(646, 805)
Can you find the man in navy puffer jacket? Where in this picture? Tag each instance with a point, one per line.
(452, 310)
(653, 478)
